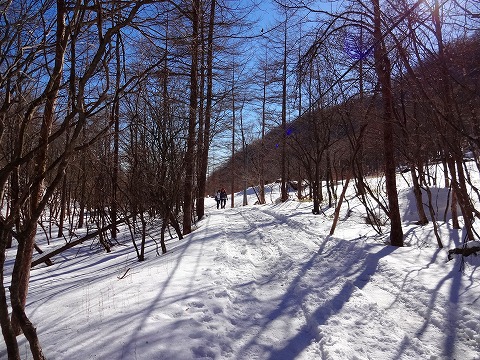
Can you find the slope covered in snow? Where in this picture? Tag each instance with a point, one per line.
(263, 282)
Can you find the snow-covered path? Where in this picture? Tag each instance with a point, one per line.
(258, 283)
(285, 291)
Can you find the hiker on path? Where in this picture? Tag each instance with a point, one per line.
(217, 198)
(223, 197)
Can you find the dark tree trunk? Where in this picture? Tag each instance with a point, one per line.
(7, 329)
(417, 191)
(190, 153)
(162, 236)
(63, 205)
(116, 134)
(316, 190)
(144, 235)
(261, 191)
(339, 205)
(176, 226)
(383, 68)
(232, 173)
(284, 192)
(202, 178)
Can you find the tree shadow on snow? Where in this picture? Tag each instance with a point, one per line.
(293, 298)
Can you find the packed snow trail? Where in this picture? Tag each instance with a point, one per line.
(287, 289)
(258, 283)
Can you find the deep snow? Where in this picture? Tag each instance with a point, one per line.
(262, 282)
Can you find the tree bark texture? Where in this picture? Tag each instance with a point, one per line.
(190, 152)
(202, 176)
(383, 69)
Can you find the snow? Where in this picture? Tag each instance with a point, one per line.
(262, 282)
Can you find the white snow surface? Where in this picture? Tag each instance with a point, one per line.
(262, 282)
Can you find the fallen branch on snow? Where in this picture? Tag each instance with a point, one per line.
(46, 257)
(464, 251)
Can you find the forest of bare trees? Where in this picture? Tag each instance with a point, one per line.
(111, 113)
(385, 88)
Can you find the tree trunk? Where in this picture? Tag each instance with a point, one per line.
(202, 177)
(453, 209)
(461, 195)
(176, 226)
(63, 205)
(316, 190)
(417, 191)
(162, 236)
(261, 191)
(116, 133)
(7, 329)
(232, 173)
(434, 220)
(19, 290)
(144, 235)
(284, 192)
(383, 68)
(190, 153)
(329, 180)
(21, 270)
(339, 205)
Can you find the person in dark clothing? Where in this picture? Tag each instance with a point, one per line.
(217, 198)
(223, 197)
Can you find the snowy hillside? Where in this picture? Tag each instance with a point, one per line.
(263, 282)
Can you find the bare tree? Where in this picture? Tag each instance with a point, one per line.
(383, 70)
(194, 17)
(46, 173)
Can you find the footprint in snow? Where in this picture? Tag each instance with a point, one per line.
(221, 294)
